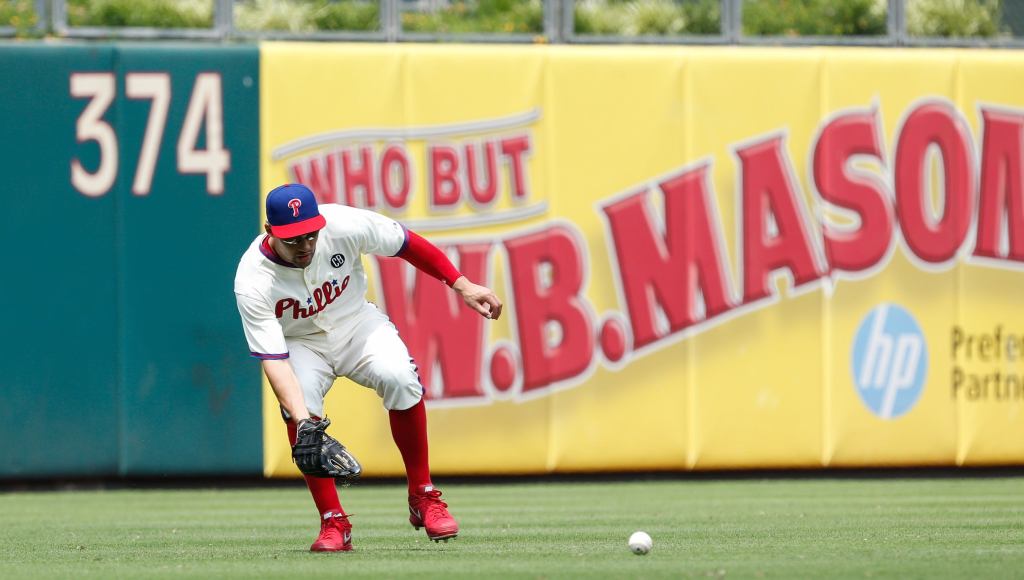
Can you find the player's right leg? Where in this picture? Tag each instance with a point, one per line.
(378, 359)
(316, 377)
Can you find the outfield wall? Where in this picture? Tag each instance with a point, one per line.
(712, 258)
(122, 353)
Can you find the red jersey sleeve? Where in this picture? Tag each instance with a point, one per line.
(429, 258)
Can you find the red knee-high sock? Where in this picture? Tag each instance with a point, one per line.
(325, 494)
(409, 429)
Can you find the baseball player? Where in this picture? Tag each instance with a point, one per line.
(301, 291)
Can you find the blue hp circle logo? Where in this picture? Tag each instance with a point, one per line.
(889, 361)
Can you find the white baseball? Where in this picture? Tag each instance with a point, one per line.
(640, 543)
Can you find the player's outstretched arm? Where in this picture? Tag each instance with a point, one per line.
(479, 298)
(286, 387)
(427, 257)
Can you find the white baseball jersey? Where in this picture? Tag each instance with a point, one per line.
(277, 300)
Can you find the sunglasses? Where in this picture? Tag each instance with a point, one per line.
(298, 239)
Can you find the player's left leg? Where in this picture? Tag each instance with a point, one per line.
(315, 377)
(383, 364)
(335, 529)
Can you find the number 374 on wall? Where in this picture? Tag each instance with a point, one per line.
(205, 103)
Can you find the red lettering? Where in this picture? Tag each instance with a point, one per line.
(359, 177)
(444, 182)
(1002, 186)
(514, 149)
(769, 192)
(435, 324)
(283, 305)
(319, 173)
(322, 297)
(395, 177)
(667, 271)
(482, 194)
(839, 184)
(539, 302)
(929, 125)
(318, 298)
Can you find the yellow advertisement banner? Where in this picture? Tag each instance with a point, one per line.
(712, 258)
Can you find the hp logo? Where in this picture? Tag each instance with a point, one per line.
(889, 361)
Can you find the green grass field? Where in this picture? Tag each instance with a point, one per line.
(777, 528)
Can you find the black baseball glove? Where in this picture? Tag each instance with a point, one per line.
(318, 454)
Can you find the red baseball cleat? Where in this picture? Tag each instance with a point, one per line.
(335, 534)
(426, 510)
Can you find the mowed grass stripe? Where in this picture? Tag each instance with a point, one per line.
(778, 528)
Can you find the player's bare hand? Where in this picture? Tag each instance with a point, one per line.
(479, 298)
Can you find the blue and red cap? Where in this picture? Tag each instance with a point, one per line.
(292, 211)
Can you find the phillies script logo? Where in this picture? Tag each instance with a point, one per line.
(672, 268)
(295, 204)
(322, 297)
